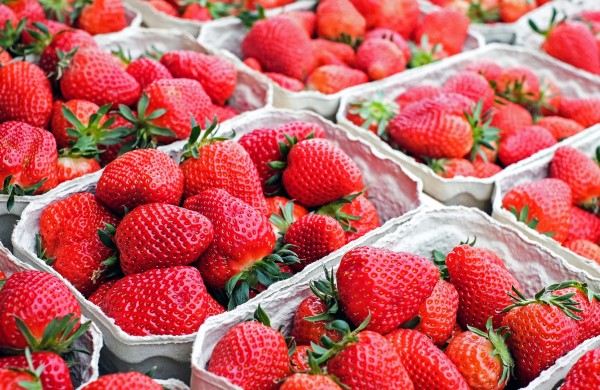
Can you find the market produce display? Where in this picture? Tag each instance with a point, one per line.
(492, 11)
(204, 11)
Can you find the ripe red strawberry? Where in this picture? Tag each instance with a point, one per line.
(404, 294)
(393, 36)
(427, 366)
(55, 373)
(102, 17)
(15, 379)
(305, 19)
(542, 330)
(473, 86)
(438, 313)
(129, 380)
(251, 355)
(277, 203)
(179, 307)
(513, 10)
(401, 16)
(452, 167)
(164, 7)
(65, 42)
(286, 82)
(582, 110)
(5, 57)
(482, 286)
(139, 177)
(211, 162)
(583, 225)
(415, 94)
(333, 53)
(217, 75)
(444, 27)
(487, 68)
(579, 171)
(98, 295)
(263, 146)
(69, 168)
(560, 127)
(524, 143)
(299, 359)
(96, 76)
(300, 381)
(27, 9)
(585, 248)
(158, 235)
(337, 19)
(81, 109)
(373, 114)
(224, 113)
(482, 358)
(330, 79)
(584, 374)
(380, 58)
(253, 63)
(147, 70)
(111, 152)
(2, 276)
(197, 12)
(38, 300)
(307, 332)
(368, 220)
(6, 15)
(519, 85)
(25, 94)
(484, 169)
(29, 159)
(589, 324)
(550, 96)
(288, 50)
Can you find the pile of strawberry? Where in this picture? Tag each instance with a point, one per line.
(565, 205)
(480, 120)
(71, 91)
(204, 10)
(576, 41)
(40, 319)
(491, 11)
(401, 321)
(349, 42)
(116, 246)
(128, 380)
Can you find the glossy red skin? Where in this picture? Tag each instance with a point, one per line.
(540, 334)
(370, 363)
(147, 70)
(217, 75)
(97, 76)
(487, 68)
(139, 177)
(163, 6)
(337, 17)
(510, 118)
(224, 165)
(37, 298)
(179, 307)
(445, 27)
(472, 356)
(473, 86)
(393, 36)
(319, 172)
(53, 27)
(243, 235)
(305, 381)
(7, 14)
(307, 332)
(401, 16)
(224, 113)
(380, 58)
(579, 171)
(28, 154)
(583, 111)
(589, 325)
(2, 276)
(101, 292)
(583, 225)
(103, 17)
(330, 79)
(457, 167)
(524, 143)
(252, 356)
(398, 294)
(31, 10)
(427, 366)
(549, 201)
(510, 77)
(286, 82)
(25, 94)
(306, 19)
(513, 10)
(299, 359)
(263, 146)
(65, 42)
(195, 11)
(438, 313)
(69, 168)
(333, 53)
(584, 248)
(369, 218)
(183, 99)
(560, 127)
(158, 235)
(253, 63)
(481, 284)
(55, 375)
(585, 374)
(415, 94)
(574, 43)
(82, 109)
(69, 230)
(11, 379)
(484, 169)
(129, 380)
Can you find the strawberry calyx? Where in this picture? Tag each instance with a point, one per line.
(515, 92)
(437, 165)
(15, 189)
(582, 287)
(110, 267)
(35, 373)
(564, 302)
(498, 339)
(64, 11)
(439, 259)
(10, 36)
(285, 147)
(334, 210)
(285, 220)
(483, 133)
(423, 54)
(64, 61)
(40, 251)
(198, 139)
(553, 23)
(330, 349)
(326, 290)
(346, 39)
(375, 111)
(478, 14)
(123, 56)
(248, 18)
(216, 9)
(523, 216)
(41, 39)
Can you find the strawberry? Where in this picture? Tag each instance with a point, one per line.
(288, 50)
(338, 19)
(286, 82)
(427, 366)
(65, 42)
(98, 295)
(582, 110)
(211, 162)
(197, 12)
(2, 276)
(299, 358)
(25, 94)
(251, 355)
(452, 167)
(393, 36)
(437, 315)
(330, 79)
(253, 63)
(69, 168)
(217, 75)
(307, 331)
(589, 306)
(525, 143)
(542, 328)
(129, 380)
(444, 27)
(111, 152)
(519, 85)
(487, 68)
(560, 127)
(224, 113)
(55, 373)
(472, 86)
(333, 53)
(390, 309)
(139, 177)
(484, 169)
(163, 6)
(27, 9)
(482, 358)
(583, 225)
(415, 94)
(401, 16)
(585, 248)
(30, 303)
(81, 109)
(147, 70)
(263, 146)
(380, 58)
(276, 204)
(7, 15)
(550, 96)
(96, 76)
(370, 11)
(179, 307)
(28, 163)
(15, 379)
(584, 374)
(482, 286)
(5, 57)
(373, 114)
(305, 19)
(579, 171)
(513, 10)
(361, 207)
(160, 235)
(102, 17)
(69, 236)
(305, 381)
